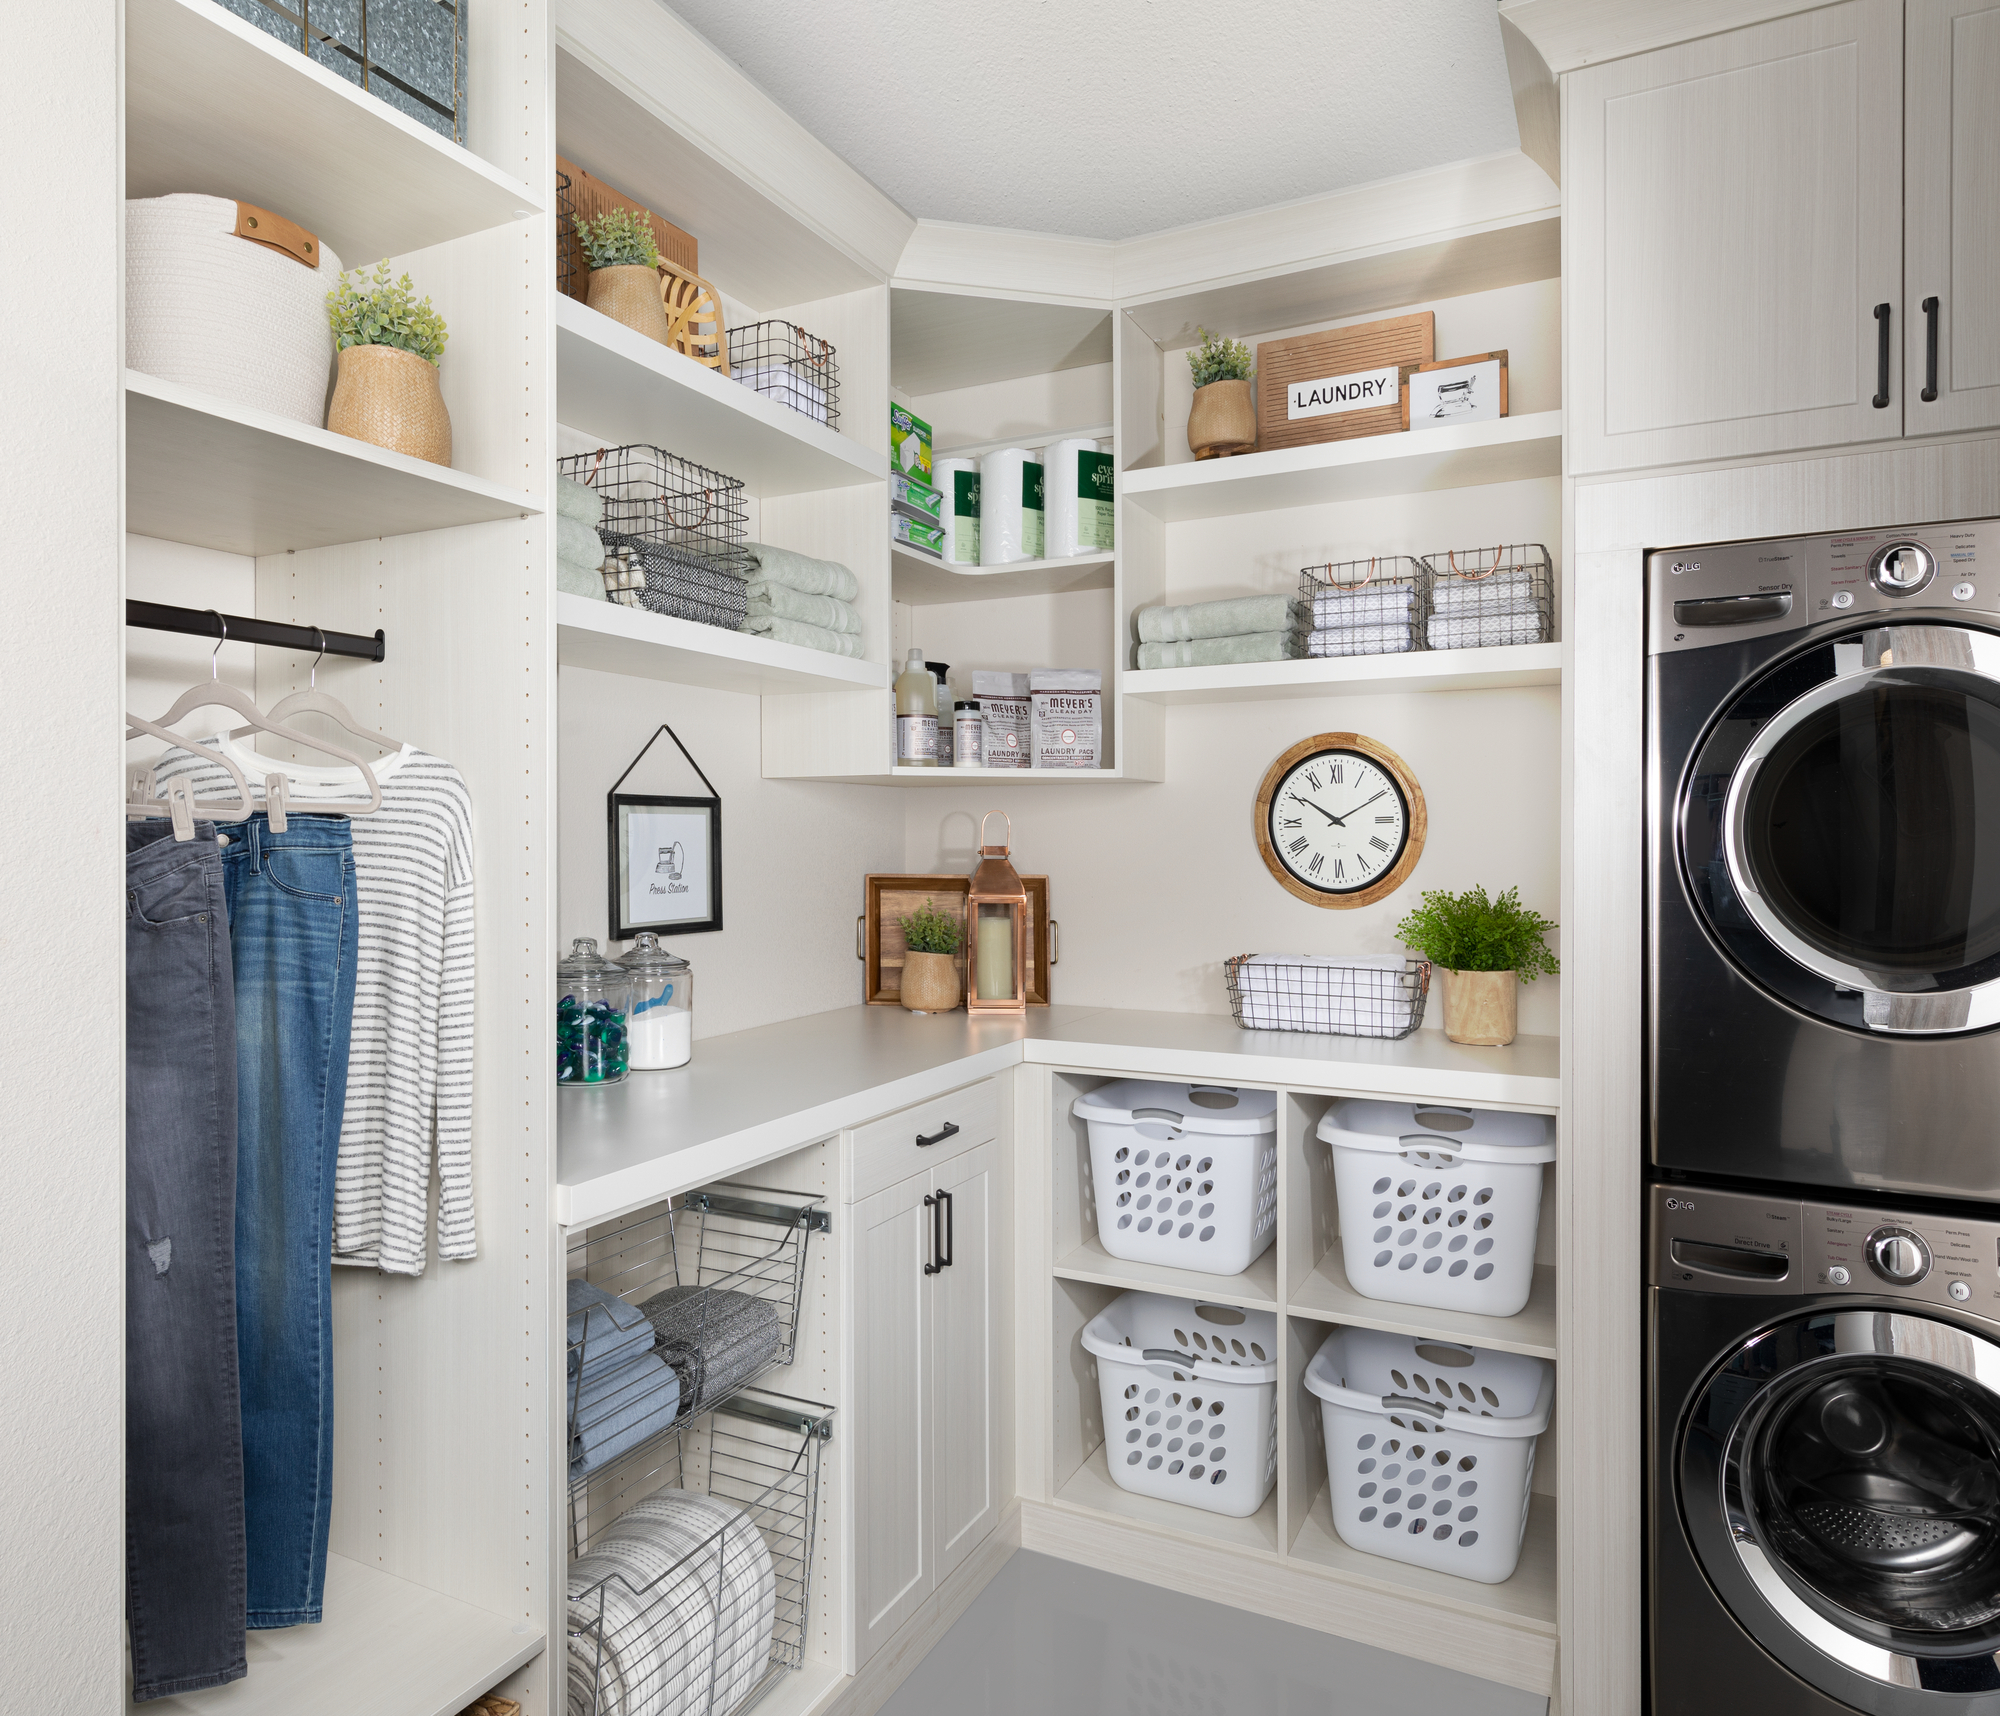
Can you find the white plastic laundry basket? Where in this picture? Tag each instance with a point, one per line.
(1190, 1395)
(1430, 1447)
(224, 314)
(1439, 1204)
(1184, 1174)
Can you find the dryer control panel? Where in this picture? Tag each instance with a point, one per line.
(1706, 1241)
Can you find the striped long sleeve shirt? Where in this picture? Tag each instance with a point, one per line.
(409, 1070)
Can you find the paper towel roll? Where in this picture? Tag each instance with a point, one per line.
(959, 515)
(1077, 524)
(1010, 513)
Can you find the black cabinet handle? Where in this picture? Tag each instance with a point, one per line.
(1930, 350)
(1881, 356)
(950, 1131)
(936, 1207)
(950, 1242)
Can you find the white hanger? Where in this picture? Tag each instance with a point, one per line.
(181, 805)
(314, 701)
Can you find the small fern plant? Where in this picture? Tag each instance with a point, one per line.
(1469, 932)
(929, 930)
(372, 310)
(618, 238)
(1219, 360)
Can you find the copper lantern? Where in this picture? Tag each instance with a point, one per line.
(996, 921)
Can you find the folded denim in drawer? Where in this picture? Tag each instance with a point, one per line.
(912, 1140)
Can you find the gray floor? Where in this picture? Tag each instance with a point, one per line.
(1050, 1638)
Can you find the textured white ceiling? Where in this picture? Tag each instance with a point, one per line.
(1109, 118)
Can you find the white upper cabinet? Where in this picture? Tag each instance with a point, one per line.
(1951, 338)
(1735, 210)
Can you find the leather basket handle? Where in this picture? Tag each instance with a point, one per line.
(274, 232)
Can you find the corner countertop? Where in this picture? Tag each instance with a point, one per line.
(751, 1096)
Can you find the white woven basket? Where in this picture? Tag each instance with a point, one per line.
(222, 314)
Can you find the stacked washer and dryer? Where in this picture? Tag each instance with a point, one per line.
(1823, 1308)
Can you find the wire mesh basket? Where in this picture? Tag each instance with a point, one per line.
(697, 1599)
(1363, 607)
(783, 362)
(565, 225)
(1485, 596)
(408, 54)
(1270, 992)
(684, 523)
(670, 1314)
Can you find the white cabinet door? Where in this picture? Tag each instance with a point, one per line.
(964, 1362)
(1951, 172)
(1734, 213)
(890, 1415)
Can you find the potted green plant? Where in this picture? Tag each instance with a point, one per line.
(930, 974)
(386, 389)
(1486, 949)
(624, 270)
(1223, 419)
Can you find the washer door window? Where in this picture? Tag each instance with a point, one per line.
(1840, 829)
(1840, 1482)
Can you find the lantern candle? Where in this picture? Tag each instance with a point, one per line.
(996, 954)
(998, 904)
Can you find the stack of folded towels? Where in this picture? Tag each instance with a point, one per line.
(620, 1391)
(1370, 619)
(716, 1339)
(795, 599)
(1468, 612)
(579, 549)
(1214, 634)
(1350, 995)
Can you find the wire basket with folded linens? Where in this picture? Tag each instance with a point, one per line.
(1363, 607)
(1482, 597)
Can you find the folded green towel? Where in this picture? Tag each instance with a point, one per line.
(576, 580)
(802, 572)
(578, 501)
(781, 630)
(578, 542)
(1216, 652)
(789, 604)
(1237, 616)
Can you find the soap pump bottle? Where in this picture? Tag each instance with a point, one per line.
(916, 715)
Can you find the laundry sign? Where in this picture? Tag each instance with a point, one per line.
(1324, 396)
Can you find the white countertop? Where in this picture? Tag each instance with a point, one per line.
(751, 1096)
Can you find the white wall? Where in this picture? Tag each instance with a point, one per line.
(159, 666)
(1033, 405)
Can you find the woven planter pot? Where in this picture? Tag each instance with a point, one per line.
(631, 295)
(1223, 420)
(389, 398)
(930, 982)
(1481, 1007)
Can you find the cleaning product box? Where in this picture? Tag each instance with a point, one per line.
(909, 443)
(1003, 719)
(1066, 713)
(925, 538)
(915, 498)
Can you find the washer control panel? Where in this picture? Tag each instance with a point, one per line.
(1899, 1256)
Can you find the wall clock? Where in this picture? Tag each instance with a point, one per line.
(1340, 820)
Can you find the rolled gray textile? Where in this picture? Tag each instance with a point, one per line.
(603, 1331)
(577, 541)
(575, 579)
(1217, 652)
(781, 630)
(710, 577)
(658, 601)
(1360, 640)
(802, 572)
(716, 1338)
(1502, 591)
(1234, 616)
(579, 501)
(1335, 608)
(1473, 631)
(612, 1413)
(829, 612)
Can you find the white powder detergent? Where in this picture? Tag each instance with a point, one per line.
(662, 1036)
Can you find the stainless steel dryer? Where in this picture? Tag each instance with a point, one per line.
(1824, 860)
(1823, 1508)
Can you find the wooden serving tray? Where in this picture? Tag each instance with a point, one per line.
(889, 899)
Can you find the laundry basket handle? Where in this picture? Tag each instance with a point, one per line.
(1170, 1355)
(1428, 1144)
(1411, 1403)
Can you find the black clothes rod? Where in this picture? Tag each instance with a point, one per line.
(201, 623)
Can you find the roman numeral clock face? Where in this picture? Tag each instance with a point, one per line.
(1340, 820)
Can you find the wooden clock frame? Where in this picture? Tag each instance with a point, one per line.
(1413, 800)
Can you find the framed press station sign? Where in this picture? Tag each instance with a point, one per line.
(665, 857)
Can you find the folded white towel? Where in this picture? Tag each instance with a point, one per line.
(1473, 631)
(1335, 608)
(1360, 640)
(1453, 592)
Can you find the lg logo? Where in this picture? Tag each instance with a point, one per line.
(1680, 1203)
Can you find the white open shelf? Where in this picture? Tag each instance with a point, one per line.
(918, 578)
(215, 105)
(613, 639)
(1352, 676)
(1325, 1295)
(1256, 1289)
(205, 471)
(1416, 461)
(618, 384)
(387, 1646)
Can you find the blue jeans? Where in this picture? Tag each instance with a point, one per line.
(292, 930)
(184, 1540)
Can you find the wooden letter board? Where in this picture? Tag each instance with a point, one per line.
(592, 197)
(1404, 341)
(890, 899)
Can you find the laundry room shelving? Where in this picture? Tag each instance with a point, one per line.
(610, 638)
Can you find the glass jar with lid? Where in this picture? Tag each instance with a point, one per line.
(593, 1017)
(662, 1031)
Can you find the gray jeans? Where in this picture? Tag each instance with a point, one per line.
(184, 1542)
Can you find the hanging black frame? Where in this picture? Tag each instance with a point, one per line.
(623, 928)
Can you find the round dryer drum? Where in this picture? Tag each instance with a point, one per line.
(1839, 829)
(1839, 1478)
